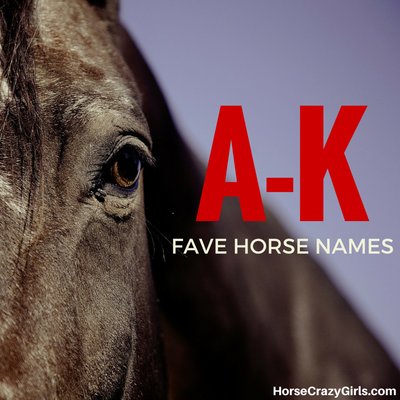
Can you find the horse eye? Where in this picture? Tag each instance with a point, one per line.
(125, 168)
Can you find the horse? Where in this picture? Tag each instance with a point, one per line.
(95, 180)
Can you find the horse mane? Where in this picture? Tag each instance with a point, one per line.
(21, 112)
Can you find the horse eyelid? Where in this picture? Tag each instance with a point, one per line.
(140, 146)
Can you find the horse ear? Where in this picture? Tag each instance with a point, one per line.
(237, 325)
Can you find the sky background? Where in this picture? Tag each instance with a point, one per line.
(271, 57)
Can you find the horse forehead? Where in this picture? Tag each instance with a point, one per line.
(74, 25)
(76, 35)
(78, 62)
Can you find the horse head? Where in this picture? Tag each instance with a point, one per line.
(77, 303)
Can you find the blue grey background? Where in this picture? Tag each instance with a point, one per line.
(271, 57)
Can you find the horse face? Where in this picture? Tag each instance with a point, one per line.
(76, 301)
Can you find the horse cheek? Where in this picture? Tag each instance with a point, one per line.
(116, 308)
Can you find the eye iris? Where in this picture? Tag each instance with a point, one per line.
(125, 169)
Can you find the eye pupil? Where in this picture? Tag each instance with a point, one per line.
(127, 164)
(126, 168)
